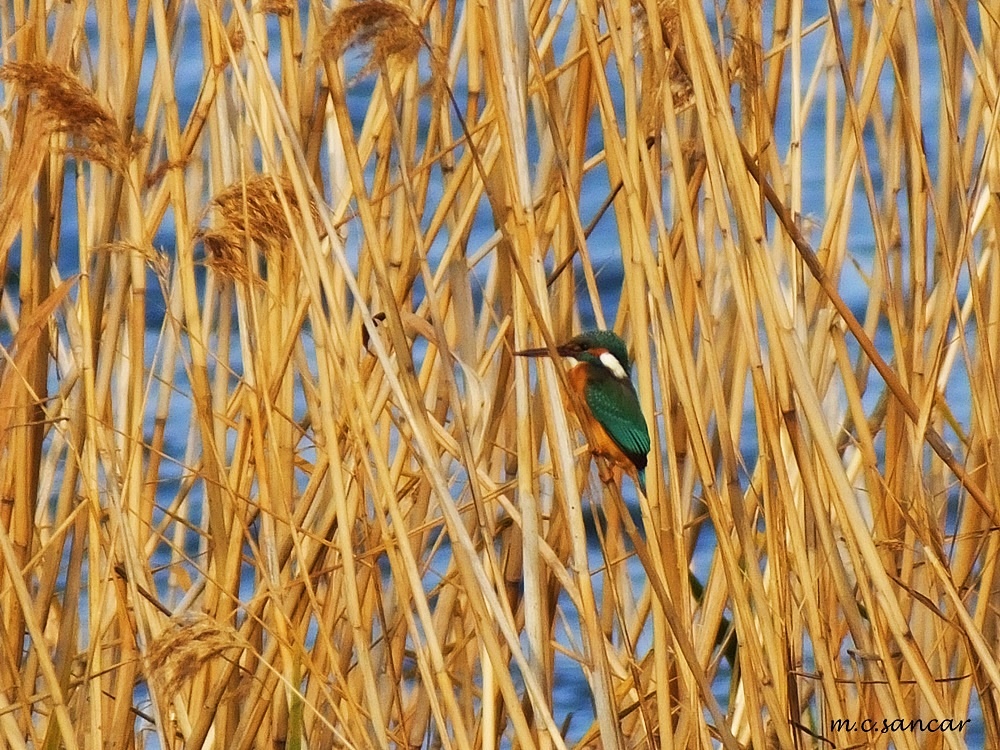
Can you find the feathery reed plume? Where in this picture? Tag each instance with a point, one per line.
(679, 80)
(251, 211)
(191, 642)
(277, 7)
(70, 107)
(387, 28)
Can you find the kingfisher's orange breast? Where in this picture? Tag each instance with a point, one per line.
(605, 446)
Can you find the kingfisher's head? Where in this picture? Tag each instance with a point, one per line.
(602, 348)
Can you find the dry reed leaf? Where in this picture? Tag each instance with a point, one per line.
(20, 177)
(182, 650)
(388, 28)
(71, 108)
(156, 260)
(33, 326)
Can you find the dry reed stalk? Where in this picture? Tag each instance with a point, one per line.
(319, 502)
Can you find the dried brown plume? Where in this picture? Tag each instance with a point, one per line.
(387, 28)
(182, 650)
(250, 211)
(277, 7)
(679, 81)
(67, 106)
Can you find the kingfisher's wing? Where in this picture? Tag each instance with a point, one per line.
(615, 405)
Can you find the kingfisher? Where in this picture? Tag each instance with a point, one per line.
(601, 375)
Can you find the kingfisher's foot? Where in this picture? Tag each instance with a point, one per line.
(608, 472)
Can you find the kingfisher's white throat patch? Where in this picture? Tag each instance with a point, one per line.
(610, 361)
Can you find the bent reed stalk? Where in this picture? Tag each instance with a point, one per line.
(271, 472)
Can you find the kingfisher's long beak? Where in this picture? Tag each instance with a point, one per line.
(544, 351)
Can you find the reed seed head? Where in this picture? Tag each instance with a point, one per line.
(70, 107)
(387, 28)
(189, 644)
(250, 211)
(277, 7)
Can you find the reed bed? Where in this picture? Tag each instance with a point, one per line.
(272, 476)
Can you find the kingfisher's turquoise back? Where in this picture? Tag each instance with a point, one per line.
(615, 405)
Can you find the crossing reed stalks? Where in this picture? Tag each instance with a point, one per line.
(271, 473)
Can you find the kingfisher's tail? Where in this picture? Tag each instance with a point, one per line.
(642, 480)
